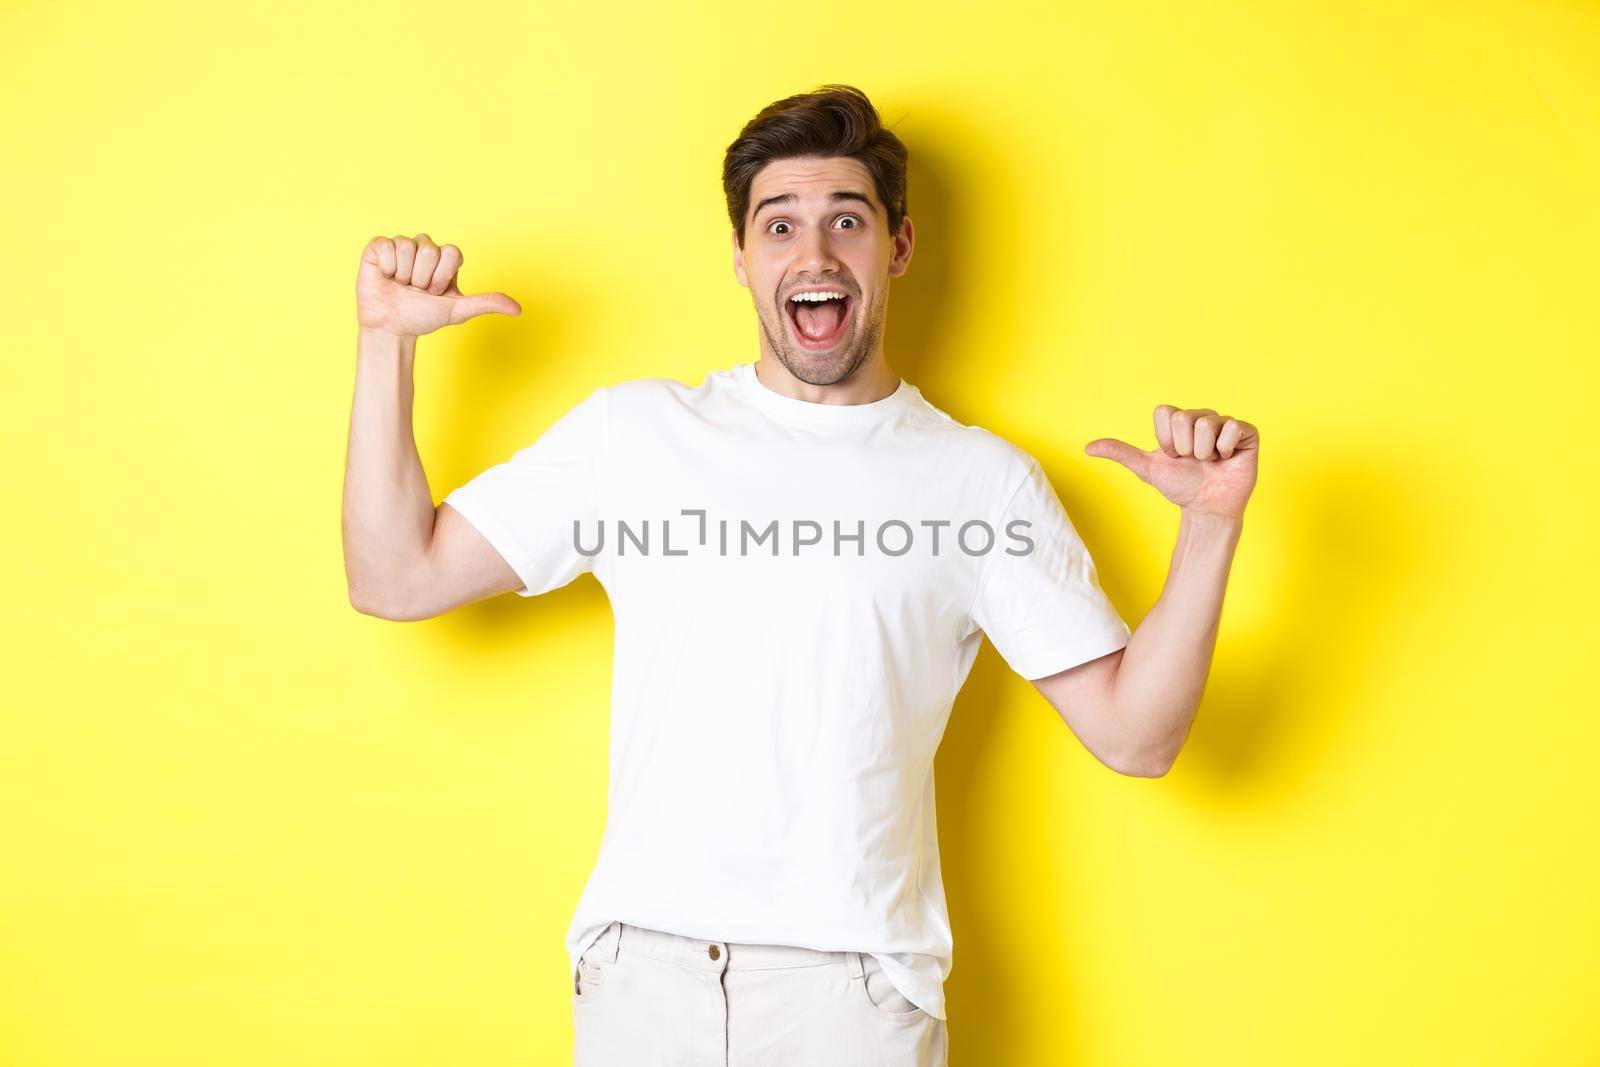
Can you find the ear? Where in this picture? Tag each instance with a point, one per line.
(900, 248)
(738, 260)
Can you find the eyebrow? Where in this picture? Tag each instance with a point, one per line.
(788, 198)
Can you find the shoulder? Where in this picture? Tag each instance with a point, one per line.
(1006, 461)
(639, 395)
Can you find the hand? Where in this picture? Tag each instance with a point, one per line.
(407, 287)
(1206, 463)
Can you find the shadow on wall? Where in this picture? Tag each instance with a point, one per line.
(1286, 689)
(1342, 555)
(1279, 693)
(933, 295)
(923, 298)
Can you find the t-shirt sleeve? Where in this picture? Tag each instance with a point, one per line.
(1043, 606)
(526, 506)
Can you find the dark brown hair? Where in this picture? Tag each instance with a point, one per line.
(831, 120)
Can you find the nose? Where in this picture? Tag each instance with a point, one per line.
(816, 253)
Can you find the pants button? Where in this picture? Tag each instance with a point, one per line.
(714, 952)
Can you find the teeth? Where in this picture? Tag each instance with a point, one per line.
(818, 295)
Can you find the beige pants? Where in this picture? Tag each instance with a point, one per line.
(645, 998)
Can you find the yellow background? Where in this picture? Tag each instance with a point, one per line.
(242, 824)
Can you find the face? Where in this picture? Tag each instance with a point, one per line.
(816, 226)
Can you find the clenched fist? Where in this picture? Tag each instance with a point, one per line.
(407, 287)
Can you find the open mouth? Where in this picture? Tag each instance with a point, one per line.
(819, 318)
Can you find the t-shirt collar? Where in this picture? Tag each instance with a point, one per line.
(812, 413)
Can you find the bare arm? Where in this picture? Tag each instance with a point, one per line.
(1133, 709)
(405, 558)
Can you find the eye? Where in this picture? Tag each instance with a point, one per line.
(779, 222)
(851, 218)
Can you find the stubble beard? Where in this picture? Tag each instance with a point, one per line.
(832, 368)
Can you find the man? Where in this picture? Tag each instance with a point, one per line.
(803, 557)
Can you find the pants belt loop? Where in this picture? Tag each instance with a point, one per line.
(854, 961)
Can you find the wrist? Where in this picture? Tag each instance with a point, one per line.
(382, 343)
(1211, 522)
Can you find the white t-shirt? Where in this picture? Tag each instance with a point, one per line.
(799, 592)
